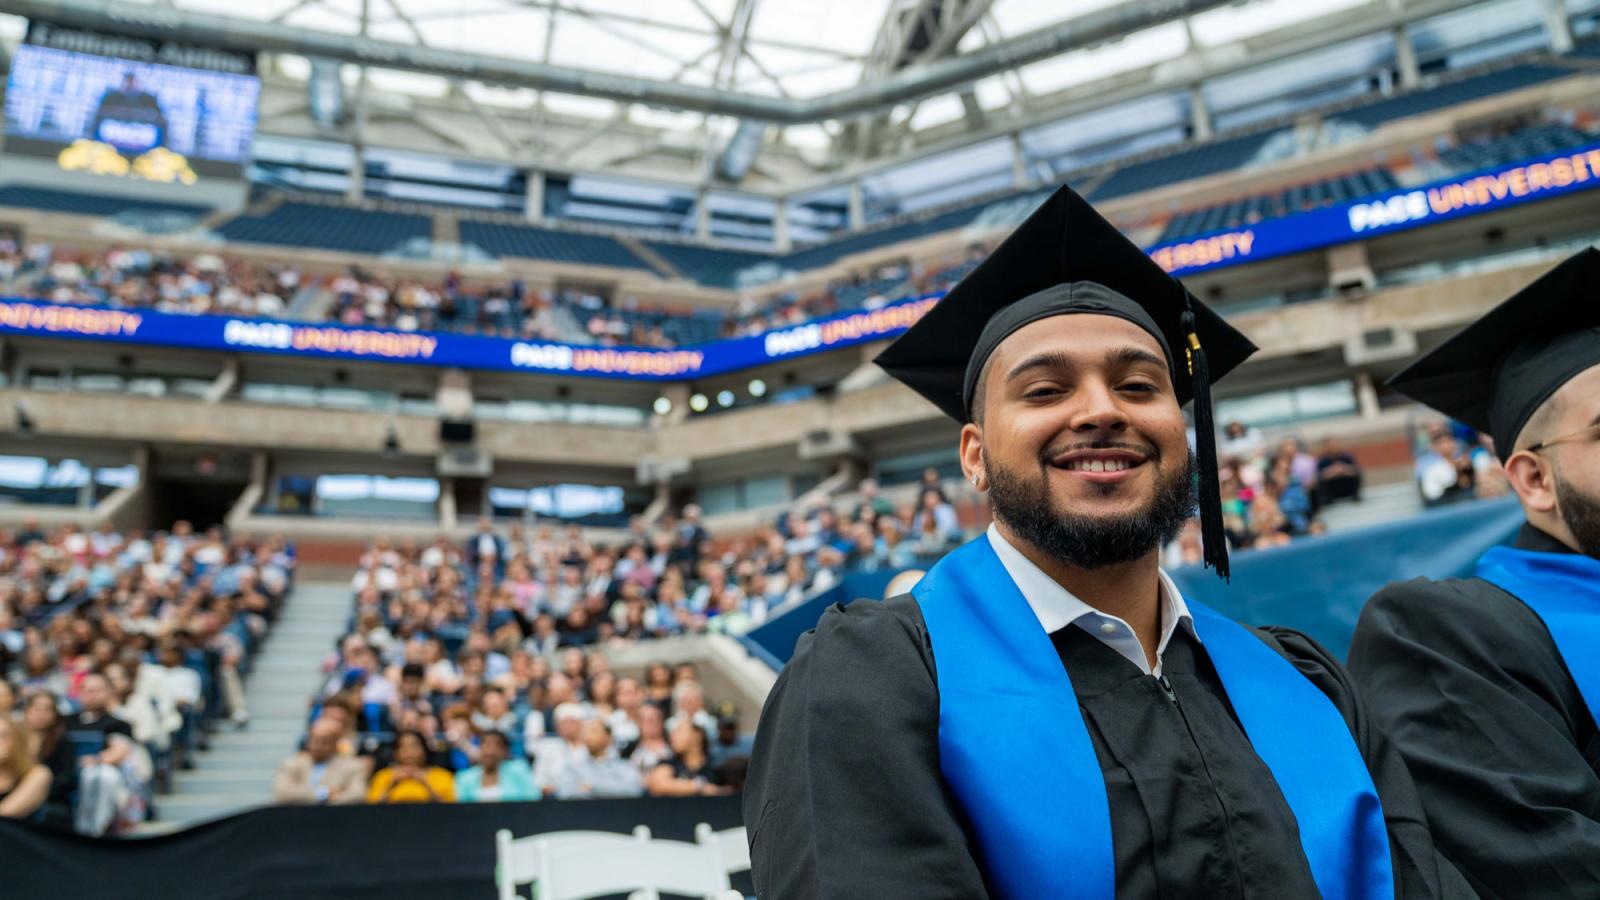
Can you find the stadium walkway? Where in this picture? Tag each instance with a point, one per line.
(237, 772)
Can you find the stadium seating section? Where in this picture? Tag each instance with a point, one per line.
(1416, 103)
(295, 224)
(1299, 198)
(708, 265)
(529, 242)
(89, 204)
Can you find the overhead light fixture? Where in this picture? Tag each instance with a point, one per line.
(758, 388)
(662, 406)
(724, 399)
(699, 403)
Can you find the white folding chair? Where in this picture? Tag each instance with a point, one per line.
(518, 860)
(645, 867)
(732, 844)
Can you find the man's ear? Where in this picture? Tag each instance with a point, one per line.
(972, 456)
(1533, 478)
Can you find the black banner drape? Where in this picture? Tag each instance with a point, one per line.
(429, 851)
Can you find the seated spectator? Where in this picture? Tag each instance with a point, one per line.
(47, 743)
(600, 772)
(688, 771)
(730, 742)
(409, 779)
(553, 755)
(24, 783)
(651, 747)
(689, 703)
(1240, 442)
(935, 529)
(624, 719)
(1444, 473)
(319, 774)
(1338, 474)
(498, 777)
(658, 685)
(109, 794)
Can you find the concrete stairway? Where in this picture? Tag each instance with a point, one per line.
(237, 771)
(1379, 503)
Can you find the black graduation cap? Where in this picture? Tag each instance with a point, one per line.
(1496, 372)
(1064, 259)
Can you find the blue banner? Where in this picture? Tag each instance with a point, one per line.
(1549, 176)
(1533, 179)
(206, 332)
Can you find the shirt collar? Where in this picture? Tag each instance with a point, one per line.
(1056, 607)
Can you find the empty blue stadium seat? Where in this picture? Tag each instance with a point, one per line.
(81, 204)
(1195, 162)
(1539, 140)
(1413, 103)
(531, 242)
(1237, 213)
(712, 266)
(329, 227)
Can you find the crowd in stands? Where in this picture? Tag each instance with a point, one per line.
(134, 278)
(481, 671)
(1458, 464)
(119, 653)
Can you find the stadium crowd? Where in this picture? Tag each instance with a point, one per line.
(119, 653)
(136, 278)
(209, 283)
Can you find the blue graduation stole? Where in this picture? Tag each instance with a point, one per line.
(1014, 749)
(1563, 589)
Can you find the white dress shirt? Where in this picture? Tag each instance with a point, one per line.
(1055, 607)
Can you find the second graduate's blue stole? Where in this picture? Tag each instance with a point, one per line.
(1563, 589)
(1015, 751)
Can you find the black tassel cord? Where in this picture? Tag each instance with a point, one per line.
(1214, 538)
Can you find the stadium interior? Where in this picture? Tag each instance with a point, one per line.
(603, 282)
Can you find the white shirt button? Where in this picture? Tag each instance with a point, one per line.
(1109, 628)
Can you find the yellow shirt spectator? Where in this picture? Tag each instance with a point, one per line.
(410, 779)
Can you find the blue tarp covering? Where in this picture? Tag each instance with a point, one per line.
(1316, 585)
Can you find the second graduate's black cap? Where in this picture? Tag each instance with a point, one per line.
(1064, 259)
(1495, 373)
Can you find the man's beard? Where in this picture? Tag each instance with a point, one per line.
(1582, 515)
(1089, 542)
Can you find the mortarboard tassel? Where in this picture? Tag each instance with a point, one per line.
(1214, 539)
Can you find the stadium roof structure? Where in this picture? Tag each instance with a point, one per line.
(827, 103)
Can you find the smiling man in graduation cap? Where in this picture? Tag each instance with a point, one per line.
(1044, 716)
(1490, 685)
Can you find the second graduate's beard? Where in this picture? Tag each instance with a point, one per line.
(1026, 505)
(1581, 512)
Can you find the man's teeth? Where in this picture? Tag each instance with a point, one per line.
(1099, 465)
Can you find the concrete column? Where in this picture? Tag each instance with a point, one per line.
(1405, 58)
(1349, 269)
(227, 380)
(1019, 163)
(533, 198)
(679, 395)
(1557, 26)
(1366, 395)
(1199, 113)
(453, 394)
(358, 166)
(780, 226)
(702, 215)
(857, 215)
(447, 503)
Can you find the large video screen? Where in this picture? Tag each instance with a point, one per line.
(121, 117)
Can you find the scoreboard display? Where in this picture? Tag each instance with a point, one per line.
(116, 106)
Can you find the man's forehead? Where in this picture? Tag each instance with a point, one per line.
(1088, 334)
(1579, 398)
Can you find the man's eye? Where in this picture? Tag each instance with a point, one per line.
(1041, 392)
(1142, 387)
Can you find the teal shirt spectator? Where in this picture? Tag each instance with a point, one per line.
(516, 783)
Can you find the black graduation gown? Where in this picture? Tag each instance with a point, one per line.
(1468, 683)
(845, 796)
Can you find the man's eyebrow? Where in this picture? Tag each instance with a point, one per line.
(1123, 357)
(1050, 359)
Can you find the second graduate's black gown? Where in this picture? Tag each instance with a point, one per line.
(1504, 750)
(845, 796)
